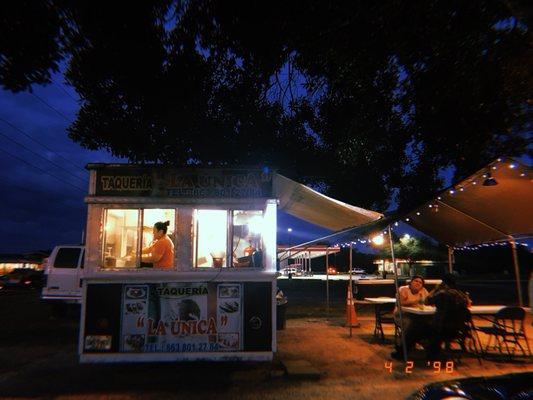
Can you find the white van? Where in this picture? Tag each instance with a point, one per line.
(63, 274)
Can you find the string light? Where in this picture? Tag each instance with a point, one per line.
(482, 245)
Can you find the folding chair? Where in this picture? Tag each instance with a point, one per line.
(383, 316)
(467, 338)
(507, 328)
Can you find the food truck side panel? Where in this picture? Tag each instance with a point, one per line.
(177, 321)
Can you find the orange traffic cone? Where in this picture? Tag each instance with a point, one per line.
(351, 315)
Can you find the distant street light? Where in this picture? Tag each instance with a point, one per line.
(289, 230)
(378, 240)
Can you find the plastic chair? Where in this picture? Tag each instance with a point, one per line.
(507, 328)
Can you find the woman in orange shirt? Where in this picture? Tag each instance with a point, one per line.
(161, 252)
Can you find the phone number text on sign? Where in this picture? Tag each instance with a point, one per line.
(180, 347)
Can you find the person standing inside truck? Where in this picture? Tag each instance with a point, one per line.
(161, 252)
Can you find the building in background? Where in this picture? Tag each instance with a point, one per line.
(34, 260)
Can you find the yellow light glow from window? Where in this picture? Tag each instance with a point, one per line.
(256, 224)
(212, 236)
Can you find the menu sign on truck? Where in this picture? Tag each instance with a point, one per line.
(181, 317)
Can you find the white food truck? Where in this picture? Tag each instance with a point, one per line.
(217, 299)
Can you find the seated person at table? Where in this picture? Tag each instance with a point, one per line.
(161, 251)
(411, 295)
(415, 327)
(451, 313)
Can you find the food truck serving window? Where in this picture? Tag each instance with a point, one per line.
(226, 238)
(128, 234)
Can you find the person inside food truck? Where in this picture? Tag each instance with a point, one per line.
(248, 257)
(249, 250)
(161, 251)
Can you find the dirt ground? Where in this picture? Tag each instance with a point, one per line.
(38, 360)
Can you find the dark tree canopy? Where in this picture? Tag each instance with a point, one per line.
(368, 99)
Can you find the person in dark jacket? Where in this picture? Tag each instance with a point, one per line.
(451, 314)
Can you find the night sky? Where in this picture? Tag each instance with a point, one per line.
(44, 180)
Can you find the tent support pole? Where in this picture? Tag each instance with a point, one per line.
(327, 283)
(450, 259)
(350, 287)
(398, 305)
(517, 272)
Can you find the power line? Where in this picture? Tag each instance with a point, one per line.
(40, 169)
(44, 158)
(35, 192)
(52, 107)
(61, 86)
(39, 143)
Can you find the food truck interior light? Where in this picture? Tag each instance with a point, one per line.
(256, 224)
(211, 235)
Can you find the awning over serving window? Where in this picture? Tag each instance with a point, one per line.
(308, 204)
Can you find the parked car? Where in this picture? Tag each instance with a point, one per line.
(358, 272)
(291, 270)
(64, 272)
(22, 278)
